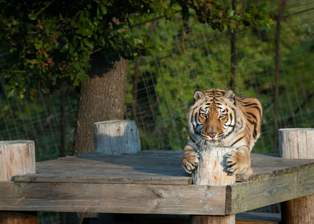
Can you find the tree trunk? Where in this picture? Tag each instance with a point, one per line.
(102, 98)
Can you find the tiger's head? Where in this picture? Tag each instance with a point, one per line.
(213, 115)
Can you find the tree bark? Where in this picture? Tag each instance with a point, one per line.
(102, 98)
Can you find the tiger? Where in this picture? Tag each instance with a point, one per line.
(220, 118)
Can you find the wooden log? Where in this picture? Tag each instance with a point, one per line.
(16, 158)
(211, 171)
(116, 137)
(297, 143)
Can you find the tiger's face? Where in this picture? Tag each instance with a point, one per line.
(212, 117)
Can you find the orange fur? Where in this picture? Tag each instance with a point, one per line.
(221, 118)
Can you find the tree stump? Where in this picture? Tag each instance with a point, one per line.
(17, 158)
(116, 137)
(297, 143)
(211, 171)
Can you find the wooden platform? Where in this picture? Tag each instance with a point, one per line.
(150, 183)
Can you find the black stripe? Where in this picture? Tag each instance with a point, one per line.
(252, 122)
(237, 141)
(252, 115)
(250, 104)
(257, 108)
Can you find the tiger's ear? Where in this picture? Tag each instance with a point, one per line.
(230, 95)
(198, 95)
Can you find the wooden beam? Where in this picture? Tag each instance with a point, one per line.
(16, 158)
(72, 183)
(272, 188)
(112, 198)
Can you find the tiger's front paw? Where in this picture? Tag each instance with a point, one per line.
(189, 160)
(238, 163)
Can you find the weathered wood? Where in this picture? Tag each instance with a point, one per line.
(16, 158)
(274, 180)
(113, 198)
(116, 137)
(211, 171)
(297, 143)
(152, 167)
(271, 188)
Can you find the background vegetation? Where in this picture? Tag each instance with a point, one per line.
(171, 54)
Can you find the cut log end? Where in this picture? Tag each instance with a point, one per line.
(116, 137)
(211, 169)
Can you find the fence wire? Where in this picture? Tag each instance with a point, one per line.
(161, 85)
(162, 82)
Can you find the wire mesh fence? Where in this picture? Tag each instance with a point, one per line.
(161, 85)
(39, 120)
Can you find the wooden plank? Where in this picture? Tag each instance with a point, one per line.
(105, 179)
(16, 157)
(112, 198)
(269, 189)
(133, 180)
(157, 167)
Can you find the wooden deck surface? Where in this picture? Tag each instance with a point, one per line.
(150, 183)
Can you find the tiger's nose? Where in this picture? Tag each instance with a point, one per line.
(212, 134)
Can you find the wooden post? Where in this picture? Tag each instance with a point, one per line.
(297, 143)
(17, 158)
(116, 137)
(210, 171)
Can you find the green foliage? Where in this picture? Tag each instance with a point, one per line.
(45, 43)
(200, 61)
(221, 15)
